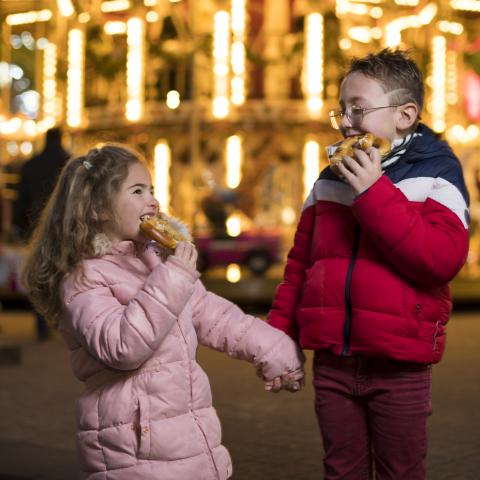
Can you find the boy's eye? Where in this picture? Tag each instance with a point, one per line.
(355, 110)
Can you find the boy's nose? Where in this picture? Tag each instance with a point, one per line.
(345, 122)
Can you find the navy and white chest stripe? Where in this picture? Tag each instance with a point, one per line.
(416, 189)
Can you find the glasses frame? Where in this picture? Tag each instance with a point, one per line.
(334, 114)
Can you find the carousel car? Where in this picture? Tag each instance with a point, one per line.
(256, 250)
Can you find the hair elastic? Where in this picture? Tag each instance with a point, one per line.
(87, 165)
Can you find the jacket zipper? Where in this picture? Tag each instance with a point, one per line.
(347, 326)
(435, 334)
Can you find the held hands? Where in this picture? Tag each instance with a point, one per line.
(291, 381)
(362, 170)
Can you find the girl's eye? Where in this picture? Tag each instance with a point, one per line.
(137, 191)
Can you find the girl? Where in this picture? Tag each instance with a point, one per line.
(131, 315)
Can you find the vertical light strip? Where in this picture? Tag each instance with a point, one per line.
(237, 84)
(221, 48)
(313, 63)
(311, 165)
(161, 174)
(234, 156)
(452, 77)
(75, 77)
(438, 104)
(134, 108)
(49, 84)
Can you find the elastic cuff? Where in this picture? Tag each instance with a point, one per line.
(183, 268)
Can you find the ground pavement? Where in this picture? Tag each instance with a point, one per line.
(269, 436)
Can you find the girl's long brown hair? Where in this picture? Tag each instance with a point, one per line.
(75, 213)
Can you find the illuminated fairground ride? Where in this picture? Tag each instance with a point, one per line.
(226, 96)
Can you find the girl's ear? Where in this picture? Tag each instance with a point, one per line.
(102, 216)
(407, 116)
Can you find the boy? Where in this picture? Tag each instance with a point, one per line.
(365, 284)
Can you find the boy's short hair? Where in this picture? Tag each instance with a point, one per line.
(397, 72)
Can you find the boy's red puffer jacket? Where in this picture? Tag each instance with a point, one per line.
(370, 275)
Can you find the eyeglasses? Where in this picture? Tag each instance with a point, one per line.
(353, 113)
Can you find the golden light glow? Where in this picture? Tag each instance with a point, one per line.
(393, 29)
(65, 7)
(452, 77)
(32, 16)
(345, 43)
(49, 86)
(438, 104)
(161, 174)
(288, 216)
(360, 34)
(234, 157)
(75, 77)
(311, 165)
(312, 74)
(115, 28)
(234, 225)
(134, 108)
(173, 99)
(238, 55)
(152, 17)
(84, 17)
(407, 3)
(344, 7)
(234, 273)
(454, 28)
(114, 6)
(149, 3)
(467, 5)
(221, 48)
(459, 134)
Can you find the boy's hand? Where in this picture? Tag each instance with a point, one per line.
(361, 171)
(293, 382)
(187, 253)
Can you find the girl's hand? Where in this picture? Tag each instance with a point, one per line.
(187, 253)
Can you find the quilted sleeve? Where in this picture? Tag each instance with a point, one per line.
(429, 245)
(124, 336)
(223, 326)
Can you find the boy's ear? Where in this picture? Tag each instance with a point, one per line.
(407, 116)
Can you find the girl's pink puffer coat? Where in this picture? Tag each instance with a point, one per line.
(132, 324)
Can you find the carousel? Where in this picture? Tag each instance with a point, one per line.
(227, 99)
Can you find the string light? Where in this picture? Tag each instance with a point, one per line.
(161, 174)
(114, 6)
(65, 7)
(134, 108)
(49, 87)
(438, 102)
(237, 84)
(467, 5)
(221, 47)
(75, 77)
(234, 155)
(29, 17)
(311, 165)
(312, 75)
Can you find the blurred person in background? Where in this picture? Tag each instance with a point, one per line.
(37, 180)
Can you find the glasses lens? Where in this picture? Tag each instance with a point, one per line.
(335, 118)
(355, 114)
